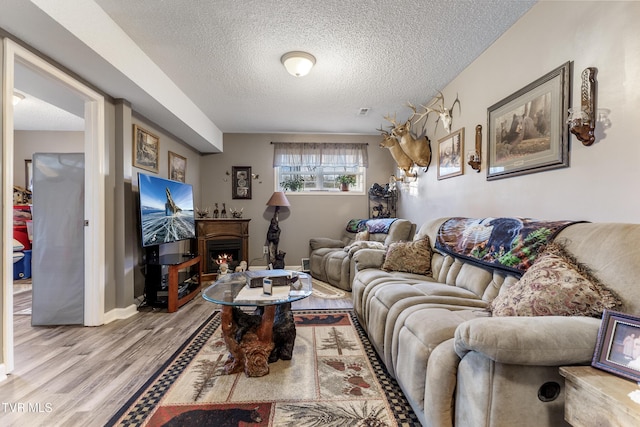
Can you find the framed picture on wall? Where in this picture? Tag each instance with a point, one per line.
(241, 182)
(146, 149)
(28, 174)
(527, 130)
(450, 155)
(177, 167)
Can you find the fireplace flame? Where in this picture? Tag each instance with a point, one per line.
(224, 259)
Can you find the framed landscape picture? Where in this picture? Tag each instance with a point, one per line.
(146, 149)
(527, 131)
(241, 182)
(177, 167)
(450, 155)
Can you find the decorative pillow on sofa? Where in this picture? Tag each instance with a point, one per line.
(411, 257)
(555, 285)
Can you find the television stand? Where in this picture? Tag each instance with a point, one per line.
(169, 280)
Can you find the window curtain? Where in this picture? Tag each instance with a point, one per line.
(319, 153)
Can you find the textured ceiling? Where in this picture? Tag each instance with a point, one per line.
(225, 55)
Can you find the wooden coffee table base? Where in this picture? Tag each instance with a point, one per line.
(255, 340)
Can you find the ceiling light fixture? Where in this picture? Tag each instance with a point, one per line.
(17, 97)
(298, 63)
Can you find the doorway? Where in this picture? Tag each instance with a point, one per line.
(94, 232)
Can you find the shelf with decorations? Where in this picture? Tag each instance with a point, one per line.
(382, 201)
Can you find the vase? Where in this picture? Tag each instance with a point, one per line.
(344, 186)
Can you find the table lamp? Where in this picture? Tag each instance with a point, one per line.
(277, 199)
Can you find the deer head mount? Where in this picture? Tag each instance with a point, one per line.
(417, 148)
(437, 106)
(403, 161)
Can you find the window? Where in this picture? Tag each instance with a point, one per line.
(315, 167)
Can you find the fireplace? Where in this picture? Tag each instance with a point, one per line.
(218, 237)
(217, 249)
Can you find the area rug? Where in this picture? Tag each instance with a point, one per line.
(326, 291)
(333, 380)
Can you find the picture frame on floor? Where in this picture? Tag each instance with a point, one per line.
(306, 268)
(618, 346)
(527, 131)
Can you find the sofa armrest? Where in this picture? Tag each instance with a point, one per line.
(369, 258)
(325, 242)
(534, 341)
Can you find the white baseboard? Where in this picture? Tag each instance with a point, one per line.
(120, 313)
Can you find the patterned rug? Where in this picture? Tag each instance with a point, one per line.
(326, 291)
(333, 380)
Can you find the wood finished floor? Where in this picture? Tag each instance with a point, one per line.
(80, 376)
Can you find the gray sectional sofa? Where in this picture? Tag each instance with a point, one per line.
(459, 359)
(330, 259)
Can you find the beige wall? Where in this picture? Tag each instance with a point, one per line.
(600, 184)
(168, 143)
(309, 216)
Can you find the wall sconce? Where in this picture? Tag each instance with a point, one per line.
(582, 123)
(475, 157)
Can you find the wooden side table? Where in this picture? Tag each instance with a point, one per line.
(598, 398)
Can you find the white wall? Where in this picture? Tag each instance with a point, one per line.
(600, 184)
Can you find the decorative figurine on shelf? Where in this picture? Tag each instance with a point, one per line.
(236, 213)
(216, 212)
(203, 212)
(223, 213)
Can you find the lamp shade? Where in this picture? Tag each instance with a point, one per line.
(278, 199)
(298, 63)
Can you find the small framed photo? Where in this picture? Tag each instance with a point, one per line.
(618, 346)
(450, 155)
(177, 167)
(241, 182)
(305, 265)
(527, 131)
(146, 149)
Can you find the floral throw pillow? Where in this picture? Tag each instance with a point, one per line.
(555, 285)
(411, 257)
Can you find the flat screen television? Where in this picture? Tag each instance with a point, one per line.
(166, 210)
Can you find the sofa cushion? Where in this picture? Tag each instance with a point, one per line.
(555, 285)
(362, 236)
(411, 257)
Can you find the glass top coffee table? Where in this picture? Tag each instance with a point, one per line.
(255, 340)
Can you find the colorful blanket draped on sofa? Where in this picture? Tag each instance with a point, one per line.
(511, 244)
(372, 225)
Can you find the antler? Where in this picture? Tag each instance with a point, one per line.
(393, 120)
(415, 113)
(431, 108)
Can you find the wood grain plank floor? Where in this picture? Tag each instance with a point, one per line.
(80, 376)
